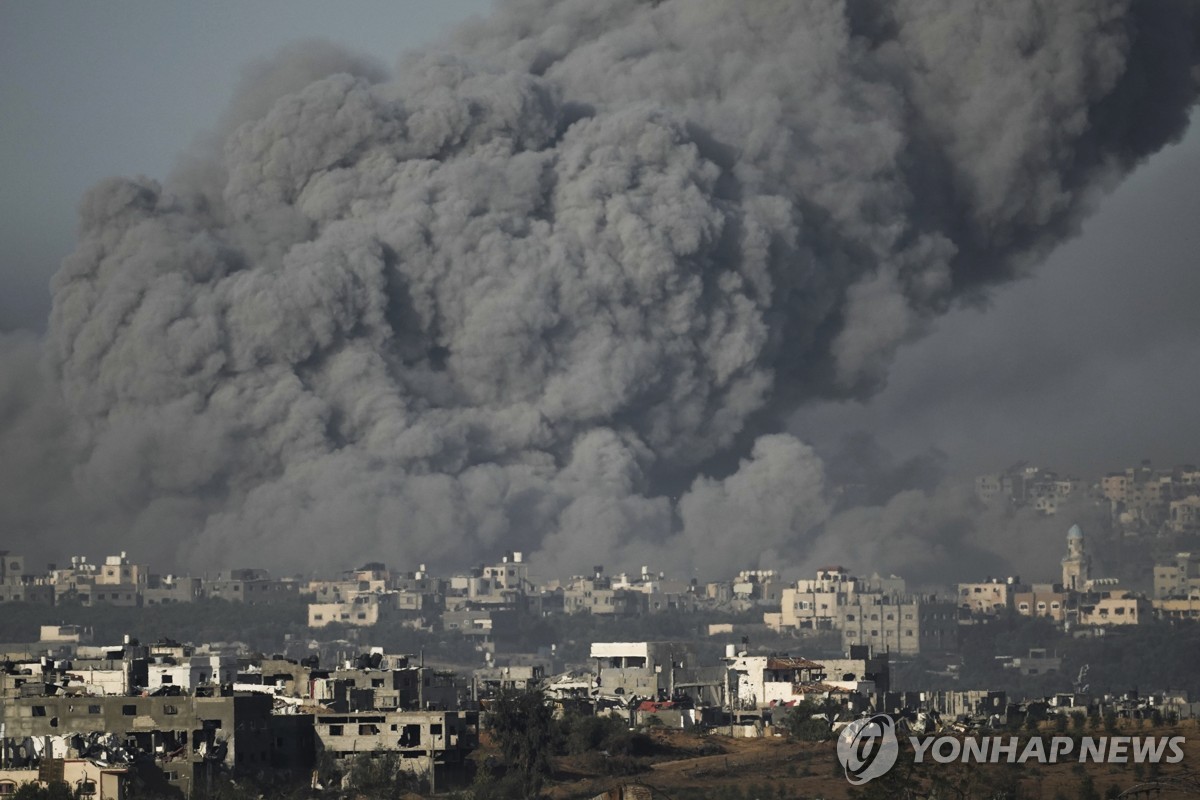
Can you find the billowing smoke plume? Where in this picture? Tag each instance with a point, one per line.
(543, 287)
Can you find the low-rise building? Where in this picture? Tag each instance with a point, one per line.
(1042, 601)
(89, 779)
(429, 743)
(1177, 608)
(1038, 662)
(989, 598)
(901, 625)
(764, 681)
(1179, 577)
(1118, 607)
(643, 669)
(1184, 514)
(166, 589)
(249, 586)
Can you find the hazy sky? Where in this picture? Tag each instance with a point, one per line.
(90, 90)
(1090, 364)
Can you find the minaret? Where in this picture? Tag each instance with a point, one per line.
(1077, 566)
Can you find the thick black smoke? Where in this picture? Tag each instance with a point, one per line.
(510, 296)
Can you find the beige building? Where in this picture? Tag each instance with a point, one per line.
(1113, 486)
(81, 575)
(812, 604)
(1042, 601)
(119, 571)
(1184, 514)
(988, 598)
(1181, 578)
(86, 779)
(17, 587)
(905, 626)
(1114, 608)
(1177, 607)
(362, 610)
(248, 586)
(70, 634)
(434, 744)
(12, 568)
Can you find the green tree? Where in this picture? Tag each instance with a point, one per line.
(378, 775)
(55, 790)
(802, 723)
(522, 724)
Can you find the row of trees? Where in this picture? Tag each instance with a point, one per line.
(524, 729)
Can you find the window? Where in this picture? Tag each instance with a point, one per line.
(129, 711)
(7, 787)
(318, 617)
(170, 709)
(335, 730)
(411, 736)
(435, 730)
(39, 711)
(93, 709)
(167, 679)
(87, 787)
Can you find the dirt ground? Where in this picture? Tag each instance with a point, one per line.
(714, 766)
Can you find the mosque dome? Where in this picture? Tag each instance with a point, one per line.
(1075, 533)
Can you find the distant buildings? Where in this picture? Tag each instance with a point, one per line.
(1144, 500)
(1179, 577)
(1024, 485)
(876, 613)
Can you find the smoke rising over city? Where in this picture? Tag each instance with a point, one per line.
(556, 284)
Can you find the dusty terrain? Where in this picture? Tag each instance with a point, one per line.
(691, 765)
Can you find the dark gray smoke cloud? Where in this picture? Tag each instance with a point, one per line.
(521, 292)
